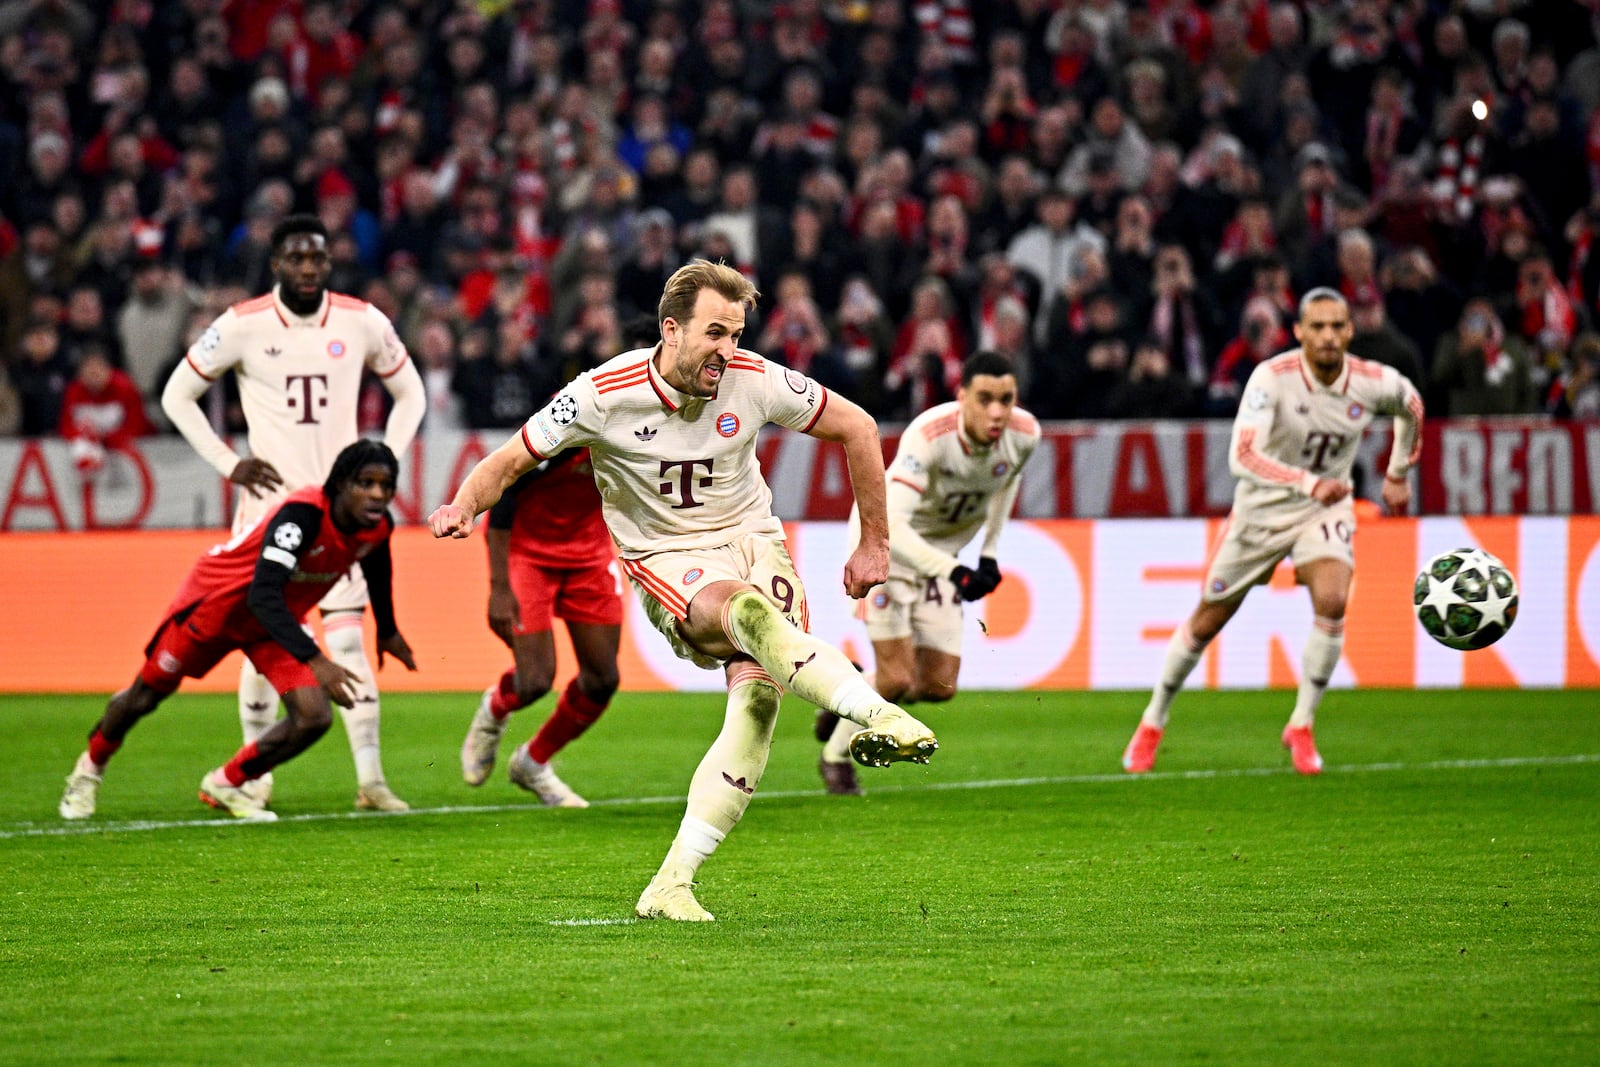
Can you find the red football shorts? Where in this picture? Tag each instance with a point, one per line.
(181, 650)
(590, 594)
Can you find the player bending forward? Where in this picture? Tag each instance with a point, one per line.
(958, 468)
(549, 555)
(252, 593)
(1294, 441)
(672, 434)
(298, 353)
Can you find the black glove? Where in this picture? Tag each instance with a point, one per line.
(989, 569)
(970, 584)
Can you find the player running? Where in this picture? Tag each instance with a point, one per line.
(958, 469)
(298, 354)
(252, 594)
(549, 555)
(1294, 442)
(672, 433)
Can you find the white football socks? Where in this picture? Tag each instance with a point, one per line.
(808, 667)
(345, 647)
(1183, 653)
(727, 776)
(258, 702)
(1324, 645)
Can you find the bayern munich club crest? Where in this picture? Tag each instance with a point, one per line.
(336, 349)
(1356, 411)
(727, 424)
(1000, 469)
(692, 575)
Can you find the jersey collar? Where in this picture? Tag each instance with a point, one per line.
(318, 317)
(1341, 384)
(968, 445)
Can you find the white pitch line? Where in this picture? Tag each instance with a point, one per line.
(590, 922)
(139, 825)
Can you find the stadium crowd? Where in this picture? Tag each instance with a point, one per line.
(1125, 197)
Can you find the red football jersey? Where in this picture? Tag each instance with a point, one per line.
(220, 581)
(557, 522)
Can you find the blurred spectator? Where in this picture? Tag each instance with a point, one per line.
(500, 381)
(1151, 391)
(1048, 250)
(1376, 338)
(10, 404)
(753, 228)
(1183, 317)
(642, 275)
(1480, 369)
(1262, 336)
(85, 325)
(925, 363)
(1545, 318)
(865, 338)
(1575, 394)
(1076, 379)
(794, 333)
(1419, 303)
(101, 410)
(41, 373)
(814, 247)
(39, 264)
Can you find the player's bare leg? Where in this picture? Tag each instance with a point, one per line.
(719, 793)
(728, 617)
(309, 716)
(125, 708)
(347, 648)
(258, 710)
(581, 703)
(1328, 581)
(1188, 644)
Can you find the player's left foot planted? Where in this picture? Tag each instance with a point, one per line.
(667, 899)
(1303, 749)
(839, 779)
(377, 796)
(215, 790)
(482, 742)
(892, 736)
(78, 799)
(542, 781)
(1140, 755)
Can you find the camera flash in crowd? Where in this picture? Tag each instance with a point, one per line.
(1480, 110)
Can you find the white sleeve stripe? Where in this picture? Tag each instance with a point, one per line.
(280, 556)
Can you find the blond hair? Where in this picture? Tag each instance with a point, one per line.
(683, 289)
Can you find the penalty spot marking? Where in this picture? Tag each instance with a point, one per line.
(140, 825)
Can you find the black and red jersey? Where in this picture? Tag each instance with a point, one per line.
(553, 513)
(262, 583)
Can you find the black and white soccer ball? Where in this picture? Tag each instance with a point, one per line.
(1465, 598)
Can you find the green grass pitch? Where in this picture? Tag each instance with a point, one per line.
(1434, 897)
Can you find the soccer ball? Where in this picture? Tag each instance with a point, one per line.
(1465, 598)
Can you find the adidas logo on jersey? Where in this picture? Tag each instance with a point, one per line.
(646, 434)
(274, 352)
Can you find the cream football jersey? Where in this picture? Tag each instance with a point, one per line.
(1292, 430)
(674, 471)
(299, 380)
(942, 486)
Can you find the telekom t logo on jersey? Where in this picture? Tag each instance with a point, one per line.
(308, 393)
(687, 480)
(1318, 445)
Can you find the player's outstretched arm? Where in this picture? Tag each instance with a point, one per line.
(490, 478)
(849, 425)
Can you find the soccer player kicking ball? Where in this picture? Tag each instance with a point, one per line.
(958, 468)
(549, 555)
(252, 594)
(671, 431)
(1294, 441)
(298, 354)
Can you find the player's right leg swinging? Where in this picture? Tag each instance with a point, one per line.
(1184, 651)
